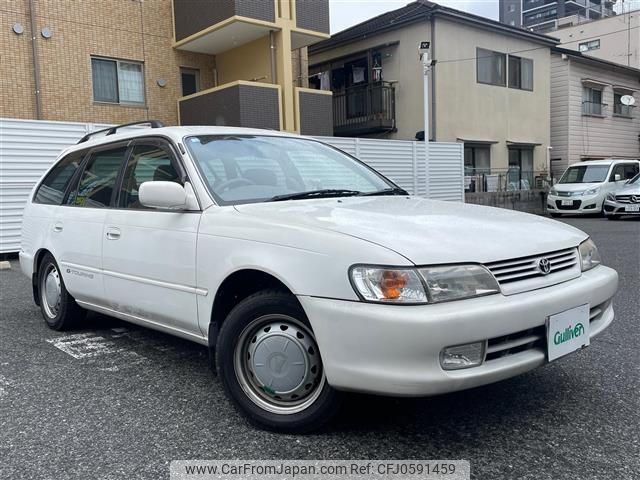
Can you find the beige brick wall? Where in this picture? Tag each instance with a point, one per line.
(123, 29)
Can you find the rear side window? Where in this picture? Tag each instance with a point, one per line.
(98, 180)
(54, 186)
(148, 163)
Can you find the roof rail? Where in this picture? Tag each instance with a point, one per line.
(112, 130)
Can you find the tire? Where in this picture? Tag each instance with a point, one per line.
(59, 309)
(613, 217)
(276, 391)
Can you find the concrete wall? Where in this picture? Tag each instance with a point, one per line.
(619, 38)
(123, 29)
(466, 109)
(596, 136)
(530, 201)
(246, 62)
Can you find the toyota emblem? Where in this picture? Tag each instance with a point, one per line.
(544, 265)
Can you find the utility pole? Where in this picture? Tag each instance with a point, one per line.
(423, 50)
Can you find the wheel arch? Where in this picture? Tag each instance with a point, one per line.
(237, 286)
(37, 260)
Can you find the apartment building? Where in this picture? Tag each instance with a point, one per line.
(588, 117)
(615, 39)
(548, 15)
(489, 87)
(215, 62)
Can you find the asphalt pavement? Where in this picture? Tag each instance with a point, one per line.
(116, 401)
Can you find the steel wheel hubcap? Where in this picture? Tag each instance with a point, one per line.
(51, 291)
(278, 365)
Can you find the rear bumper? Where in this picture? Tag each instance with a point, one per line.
(395, 350)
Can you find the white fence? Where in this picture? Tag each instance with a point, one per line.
(28, 147)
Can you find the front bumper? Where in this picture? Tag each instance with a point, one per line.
(612, 207)
(394, 350)
(580, 205)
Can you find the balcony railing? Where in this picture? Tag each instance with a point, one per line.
(623, 110)
(364, 109)
(593, 108)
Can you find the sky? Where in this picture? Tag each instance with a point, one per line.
(345, 13)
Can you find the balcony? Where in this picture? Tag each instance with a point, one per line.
(364, 109)
(312, 22)
(533, 4)
(214, 26)
(314, 112)
(238, 104)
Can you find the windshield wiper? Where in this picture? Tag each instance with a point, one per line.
(386, 191)
(324, 193)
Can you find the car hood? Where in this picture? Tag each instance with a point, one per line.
(575, 187)
(425, 231)
(633, 189)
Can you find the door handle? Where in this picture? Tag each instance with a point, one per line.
(58, 227)
(113, 233)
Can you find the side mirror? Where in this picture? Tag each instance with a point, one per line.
(169, 195)
(617, 177)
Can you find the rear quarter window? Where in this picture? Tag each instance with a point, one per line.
(54, 185)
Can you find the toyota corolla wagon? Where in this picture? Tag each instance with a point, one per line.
(305, 272)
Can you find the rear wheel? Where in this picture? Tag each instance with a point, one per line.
(269, 362)
(59, 309)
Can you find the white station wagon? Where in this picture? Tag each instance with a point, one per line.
(304, 271)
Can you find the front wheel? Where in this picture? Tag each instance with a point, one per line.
(59, 309)
(269, 363)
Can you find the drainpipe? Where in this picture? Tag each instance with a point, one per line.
(36, 64)
(272, 51)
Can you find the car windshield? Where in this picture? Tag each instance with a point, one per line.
(585, 174)
(635, 180)
(247, 168)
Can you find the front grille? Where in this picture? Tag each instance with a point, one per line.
(532, 338)
(627, 198)
(508, 271)
(515, 343)
(575, 205)
(563, 194)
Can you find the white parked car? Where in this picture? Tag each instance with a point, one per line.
(624, 201)
(584, 186)
(304, 271)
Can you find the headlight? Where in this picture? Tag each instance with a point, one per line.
(425, 285)
(456, 282)
(589, 255)
(591, 191)
(553, 191)
(611, 197)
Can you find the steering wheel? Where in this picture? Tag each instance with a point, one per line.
(234, 182)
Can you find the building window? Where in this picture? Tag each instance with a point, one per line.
(477, 160)
(520, 174)
(591, 45)
(190, 78)
(512, 8)
(620, 108)
(592, 101)
(117, 81)
(491, 67)
(520, 73)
